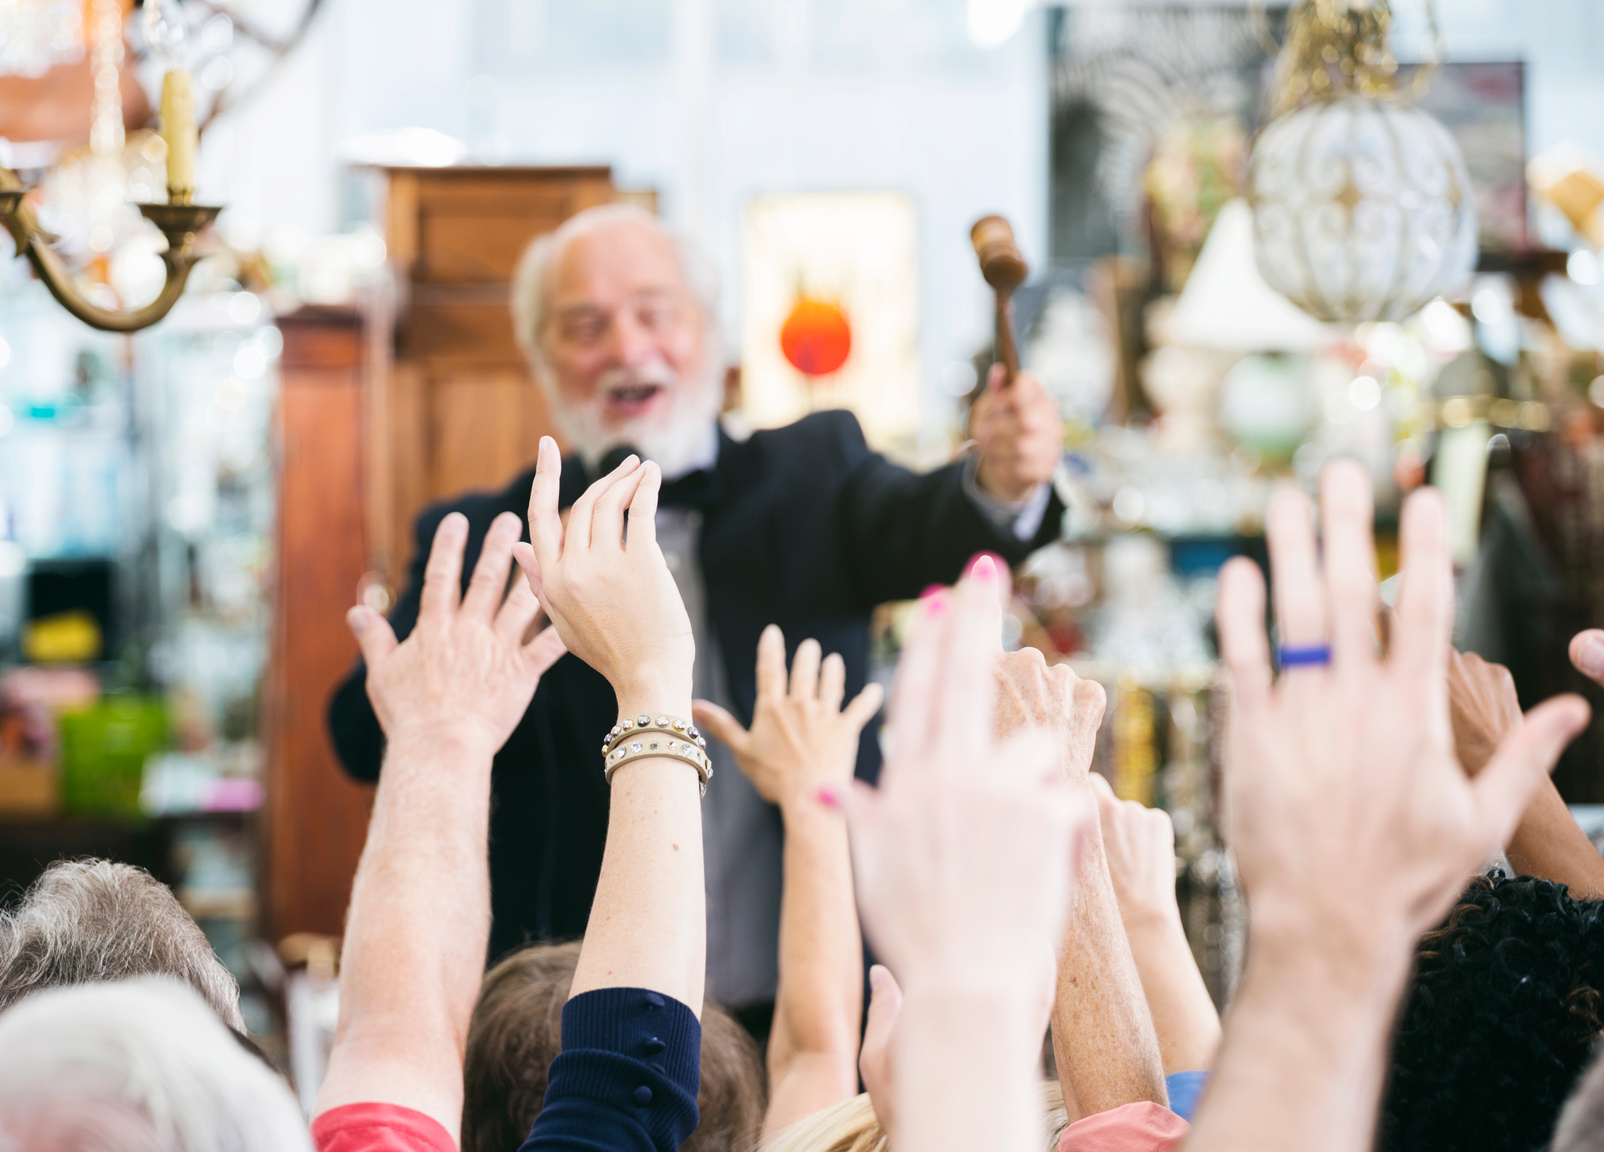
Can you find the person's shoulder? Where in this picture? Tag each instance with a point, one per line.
(817, 438)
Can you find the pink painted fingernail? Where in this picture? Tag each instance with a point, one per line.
(984, 568)
(934, 604)
(828, 796)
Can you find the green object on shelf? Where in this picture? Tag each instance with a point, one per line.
(103, 751)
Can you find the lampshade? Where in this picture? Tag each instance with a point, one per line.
(1362, 209)
(1227, 305)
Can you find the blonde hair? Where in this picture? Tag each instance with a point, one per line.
(852, 1126)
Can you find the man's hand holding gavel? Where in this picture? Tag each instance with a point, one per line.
(1019, 433)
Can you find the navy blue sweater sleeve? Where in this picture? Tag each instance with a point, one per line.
(627, 1077)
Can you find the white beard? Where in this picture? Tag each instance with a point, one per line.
(680, 440)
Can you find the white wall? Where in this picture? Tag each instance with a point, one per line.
(836, 94)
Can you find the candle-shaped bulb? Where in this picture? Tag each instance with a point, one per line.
(165, 33)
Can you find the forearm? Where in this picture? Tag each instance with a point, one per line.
(416, 932)
(1184, 1018)
(1304, 1053)
(1103, 1035)
(813, 1049)
(648, 922)
(1549, 844)
(966, 1070)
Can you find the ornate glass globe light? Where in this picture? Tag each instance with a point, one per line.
(1362, 206)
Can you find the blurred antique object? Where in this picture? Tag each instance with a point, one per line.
(1363, 208)
(1004, 267)
(105, 177)
(1571, 182)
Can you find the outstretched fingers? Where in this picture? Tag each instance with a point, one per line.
(489, 579)
(1423, 620)
(373, 634)
(442, 575)
(643, 508)
(1300, 608)
(864, 705)
(719, 724)
(805, 670)
(545, 521)
(1243, 645)
(1346, 511)
(584, 509)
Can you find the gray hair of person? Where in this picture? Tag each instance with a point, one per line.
(138, 1065)
(531, 282)
(1581, 1121)
(85, 921)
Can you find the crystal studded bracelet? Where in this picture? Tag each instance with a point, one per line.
(642, 736)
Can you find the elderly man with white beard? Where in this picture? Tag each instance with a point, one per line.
(800, 526)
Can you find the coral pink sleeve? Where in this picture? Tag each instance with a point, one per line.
(379, 1128)
(1140, 1127)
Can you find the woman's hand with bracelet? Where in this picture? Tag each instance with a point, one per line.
(605, 585)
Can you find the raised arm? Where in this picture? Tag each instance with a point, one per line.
(962, 858)
(1103, 1037)
(1547, 843)
(802, 741)
(628, 1073)
(1139, 843)
(1353, 823)
(420, 907)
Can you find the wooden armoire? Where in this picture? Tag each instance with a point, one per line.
(419, 394)
(451, 403)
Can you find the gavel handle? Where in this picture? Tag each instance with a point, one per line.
(1006, 351)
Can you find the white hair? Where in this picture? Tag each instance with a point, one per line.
(84, 921)
(674, 444)
(136, 1066)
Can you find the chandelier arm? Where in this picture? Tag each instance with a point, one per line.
(178, 222)
(56, 278)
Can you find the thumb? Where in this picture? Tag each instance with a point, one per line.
(1505, 786)
(373, 633)
(864, 705)
(719, 724)
(1587, 653)
(885, 1005)
(524, 553)
(545, 649)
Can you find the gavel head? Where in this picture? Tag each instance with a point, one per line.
(1001, 262)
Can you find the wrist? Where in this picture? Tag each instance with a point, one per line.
(1362, 958)
(648, 692)
(457, 741)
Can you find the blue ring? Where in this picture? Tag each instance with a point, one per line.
(1307, 656)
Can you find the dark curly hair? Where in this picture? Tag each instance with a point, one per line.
(1499, 1020)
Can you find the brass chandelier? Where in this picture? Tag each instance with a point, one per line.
(179, 220)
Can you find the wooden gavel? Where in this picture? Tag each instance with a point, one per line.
(1004, 267)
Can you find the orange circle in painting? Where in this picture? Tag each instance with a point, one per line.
(816, 337)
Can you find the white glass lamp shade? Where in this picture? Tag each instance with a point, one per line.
(1362, 209)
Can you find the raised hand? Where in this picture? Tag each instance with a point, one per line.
(612, 600)
(801, 738)
(1482, 706)
(1032, 693)
(963, 853)
(1019, 433)
(1140, 845)
(467, 669)
(963, 859)
(1354, 763)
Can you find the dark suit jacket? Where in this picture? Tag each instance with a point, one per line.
(809, 529)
